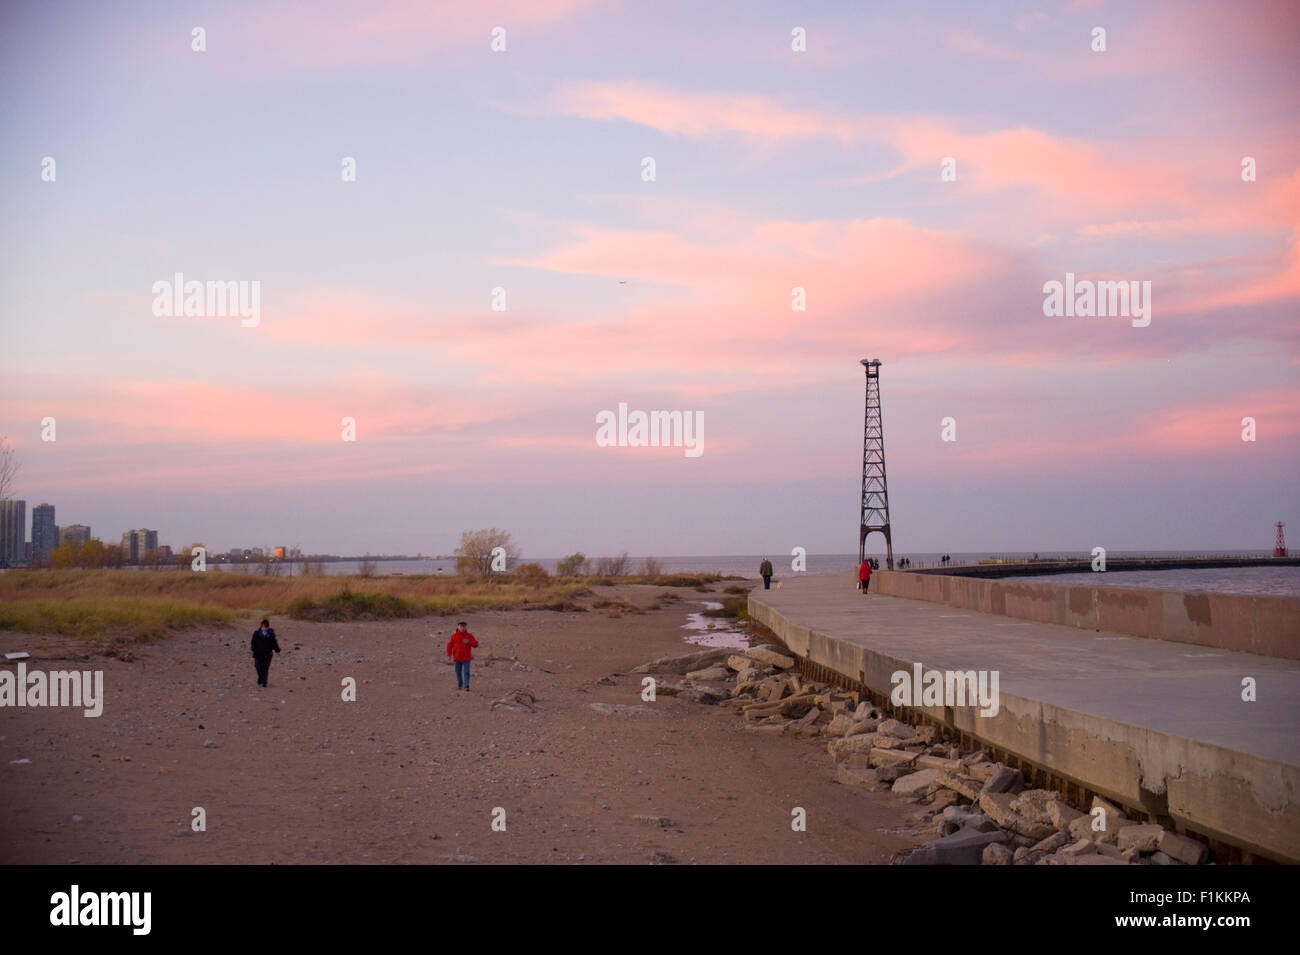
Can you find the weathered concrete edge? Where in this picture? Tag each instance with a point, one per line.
(1238, 798)
(1246, 623)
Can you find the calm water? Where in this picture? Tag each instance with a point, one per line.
(743, 565)
(1277, 581)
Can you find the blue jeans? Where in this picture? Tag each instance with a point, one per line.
(462, 667)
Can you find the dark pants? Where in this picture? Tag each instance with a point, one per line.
(767, 581)
(462, 667)
(864, 585)
(263, 665)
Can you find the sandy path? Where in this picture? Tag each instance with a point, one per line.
(297, 775)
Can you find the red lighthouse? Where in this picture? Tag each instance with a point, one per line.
(1279, 549)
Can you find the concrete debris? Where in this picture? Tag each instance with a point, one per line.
(982, 810)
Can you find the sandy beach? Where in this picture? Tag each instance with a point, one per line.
(412, 771)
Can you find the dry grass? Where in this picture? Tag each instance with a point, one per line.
(146, 604)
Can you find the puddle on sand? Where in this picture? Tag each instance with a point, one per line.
(705, 632)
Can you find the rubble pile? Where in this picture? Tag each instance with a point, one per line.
(980, 810)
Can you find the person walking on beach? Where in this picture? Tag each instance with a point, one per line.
(864, 575)
(263, 646)
(765, 571)
(458, 649)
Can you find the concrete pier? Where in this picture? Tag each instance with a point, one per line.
(1157, 726)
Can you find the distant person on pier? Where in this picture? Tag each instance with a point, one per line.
(864, 575)
(765, 571)
(263, 645)
(458, 649)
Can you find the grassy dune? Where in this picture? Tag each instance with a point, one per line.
(147, 604)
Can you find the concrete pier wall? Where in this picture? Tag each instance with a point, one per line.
(1269, 626)
(1159, 731)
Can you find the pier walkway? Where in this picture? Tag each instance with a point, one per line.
(1158, 726)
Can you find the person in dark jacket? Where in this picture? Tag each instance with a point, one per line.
(263, 646)
(765, 571)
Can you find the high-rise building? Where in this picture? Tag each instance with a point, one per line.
(45, 535)
(137, 543)
(13, 533)
(78, 534)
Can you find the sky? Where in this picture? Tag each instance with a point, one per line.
(505, 265)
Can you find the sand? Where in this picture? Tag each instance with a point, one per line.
(414, 771)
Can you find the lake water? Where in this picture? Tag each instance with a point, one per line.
(1276, 581)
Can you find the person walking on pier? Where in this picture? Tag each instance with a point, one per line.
(864, 575)
(458, 648)
(765, 571)
(263, 645)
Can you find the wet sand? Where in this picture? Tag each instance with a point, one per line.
(413, 770)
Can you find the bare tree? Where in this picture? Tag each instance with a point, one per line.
(478, 554)
(367, 568)
(8, 469)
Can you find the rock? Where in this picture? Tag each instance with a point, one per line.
(840, 748)
(620, 709)
(998, 808)
(797, 709)
(1061, 815)
(771, 657)
(1160, 858)
(662, 822)
(925, 734)
(915, 782)
(866, 711)
(953, 818)
(773, 728)
(892, 772)
(709, 675)
(1002, 780)
(1027, 856)
(683, 664)
(839, 724)
(896, 729)
(1143, 838)
(939, 763)
(889, 757)
(1096, 859)
(518, 701)
(1057, 840)
(659, 857)
(739, 664)
(962, 785)
(963, 847)
(859, 778)
(1033, 804)
(1182, 848)
(996, 853)
(696, 695)
(1082, 847)
(858, 727)
(208, 744)
(1134, 857)
(942, 799)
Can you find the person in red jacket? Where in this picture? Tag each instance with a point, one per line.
(458, 649)
(864, 575)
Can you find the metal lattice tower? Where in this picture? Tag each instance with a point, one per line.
(875, 491)
(1279, 548)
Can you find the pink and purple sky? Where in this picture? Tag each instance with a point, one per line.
(522, 170)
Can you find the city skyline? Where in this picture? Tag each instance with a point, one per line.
(828, 185)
